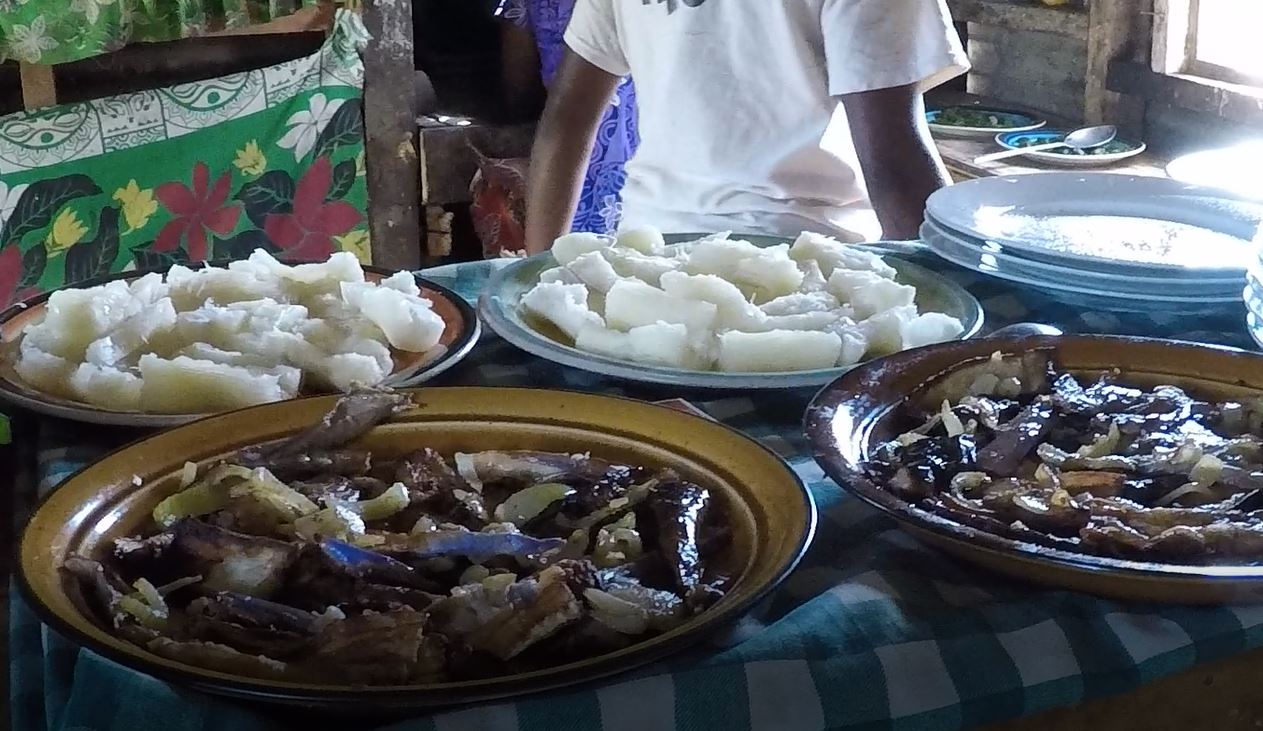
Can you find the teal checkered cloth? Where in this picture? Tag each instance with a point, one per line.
(874, 631)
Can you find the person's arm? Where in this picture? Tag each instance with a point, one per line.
(519, 72)
(579, 96)
(901, 165)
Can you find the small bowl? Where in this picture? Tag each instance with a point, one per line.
(1116, 151)
(773, 519)
(854, 414)
(1008, 120)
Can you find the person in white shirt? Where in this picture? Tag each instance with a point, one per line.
(755, 116)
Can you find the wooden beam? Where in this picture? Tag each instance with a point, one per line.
(390, 126)
(1172, 21)
(1115, 29)
(1231, 102)
(1067, 21)
(39, 88)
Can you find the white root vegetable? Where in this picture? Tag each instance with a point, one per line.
(558, 275)
(564, 305)
(648, 269)
(800, 302)
(930, 328)
(185, 386)
(106, 387)
(831, 254)
(868, 293)
(661, 343)
(771, 273)
(720, 257)
(214, 338)
(647, 240)
(572, 246)
(727, 304)
(632, 304)
(408, 321)
(735, 312)
(595, 271)
(884, 331)
(777, 351)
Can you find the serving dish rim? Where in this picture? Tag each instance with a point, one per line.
(418, 696)
(817, 425)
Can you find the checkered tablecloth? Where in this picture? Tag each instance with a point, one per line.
(872, 632)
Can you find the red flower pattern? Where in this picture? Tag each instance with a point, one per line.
(308, 232)
(11, 275)
(196, 210)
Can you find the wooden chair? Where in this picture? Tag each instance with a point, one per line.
(393, 173)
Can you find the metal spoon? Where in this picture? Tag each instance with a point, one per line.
(1080, 139)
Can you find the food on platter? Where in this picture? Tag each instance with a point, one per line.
(724, 304)
(203, 340)
(314, 560)
(1082, 462)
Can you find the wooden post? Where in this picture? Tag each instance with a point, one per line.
(39, 89)
(1115, 29)
(390, 127)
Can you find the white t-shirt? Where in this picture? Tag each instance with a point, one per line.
(740, 126)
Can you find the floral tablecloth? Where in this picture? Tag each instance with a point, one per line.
(58, 31)
(873, 631)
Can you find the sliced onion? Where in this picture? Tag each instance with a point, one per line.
(467, 468)
(1207, 470)
(526, 504)
(1181, 491)
(617, 614)
(188, 475)
(1102, 445)
(951, 422)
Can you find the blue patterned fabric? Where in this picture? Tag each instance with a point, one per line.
(873, 632)
(600, 204)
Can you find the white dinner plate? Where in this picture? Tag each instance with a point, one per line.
(1081, 279)
(1068, 288)
(1105, 219)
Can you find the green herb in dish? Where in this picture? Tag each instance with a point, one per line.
(980, 118)
(1111, 148)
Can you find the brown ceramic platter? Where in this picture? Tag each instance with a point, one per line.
(773, 518)
(853, 415)
(459, 337)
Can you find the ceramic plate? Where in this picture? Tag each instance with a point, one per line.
(1221, 279)
(1006, 120)
(1097, 276)
(410, 368)
(499, 309)
(1237, 169)
(1114, 152)
(1091, 219)
(1141, 295)
(773, 518)
(853, 415)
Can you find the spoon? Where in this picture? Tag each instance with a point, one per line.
(1080, 139)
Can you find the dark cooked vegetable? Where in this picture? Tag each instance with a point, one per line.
(411, 567)
(1107, 468)
(1014, 440)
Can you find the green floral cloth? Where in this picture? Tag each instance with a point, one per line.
(271, 159)
(57, 31)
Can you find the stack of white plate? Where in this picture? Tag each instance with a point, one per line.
(1100, 240)
(1254, 290)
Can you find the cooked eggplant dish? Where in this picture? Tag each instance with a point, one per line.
(1016, 447)
(314, 560)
